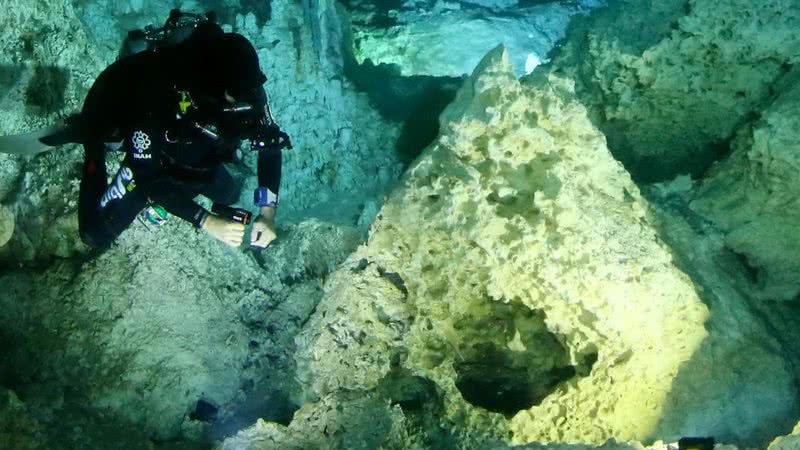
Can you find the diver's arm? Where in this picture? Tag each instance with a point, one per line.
(269, 177)
(227, 231)
(266, 196)
(179, 203)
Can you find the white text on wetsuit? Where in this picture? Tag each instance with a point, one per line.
(118, 187)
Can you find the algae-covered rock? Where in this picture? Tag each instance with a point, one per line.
(670, 82)
(18, 429)
(6, 224)
(9, 174)
(753, 195)
(740, 384)
(164, 321)
(517, 269)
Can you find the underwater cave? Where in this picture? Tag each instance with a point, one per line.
(448, 224)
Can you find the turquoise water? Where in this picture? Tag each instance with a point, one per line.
(665, 142)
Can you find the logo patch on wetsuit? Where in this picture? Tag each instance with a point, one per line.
(141, 142)
(120, 185)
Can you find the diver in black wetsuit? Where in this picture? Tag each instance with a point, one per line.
(180, 113)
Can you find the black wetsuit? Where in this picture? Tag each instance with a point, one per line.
(137, 100)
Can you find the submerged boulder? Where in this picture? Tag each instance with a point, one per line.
(517, 275)
(168, 329)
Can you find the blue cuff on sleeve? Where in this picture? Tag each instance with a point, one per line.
(264, 197)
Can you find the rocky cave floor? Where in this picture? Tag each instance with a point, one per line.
(587, 238)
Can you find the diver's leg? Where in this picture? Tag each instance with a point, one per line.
(223, 189)
(102, 218)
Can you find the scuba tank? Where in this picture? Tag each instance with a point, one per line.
(178, 27)
(257, 121)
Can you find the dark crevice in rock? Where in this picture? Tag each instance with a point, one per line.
(204, 411)
(508, 361)
(422, 405)
(396, 280)
(494, 384)
(751, 271)
(410, 392)
(416, 102)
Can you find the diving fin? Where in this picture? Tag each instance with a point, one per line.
(40, 140)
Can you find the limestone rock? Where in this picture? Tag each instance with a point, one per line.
(450, 38)
(670, 82)
(9, 174)
(47, 64)
(339, 421)
(753, 195)
(517, 269)
(311, 249)
(757, 341)
(299, 52)
(161, 321)
(789, 442)
(6, 225)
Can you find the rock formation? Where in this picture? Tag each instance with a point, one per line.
(670, 82)
(517, 287)
(753, 194)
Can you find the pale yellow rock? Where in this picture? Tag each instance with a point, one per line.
(517, 219)
(6, 225)
(789, 442)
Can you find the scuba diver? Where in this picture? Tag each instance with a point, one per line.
(178, 102)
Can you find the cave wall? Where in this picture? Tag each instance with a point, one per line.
(47, 62)
(670, 82)
(449, 38)
(752, 195)
(516, 287)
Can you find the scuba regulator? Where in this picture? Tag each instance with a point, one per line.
(254, 121)
(250, 119)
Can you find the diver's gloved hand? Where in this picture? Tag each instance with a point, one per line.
(227, 231)
(264, 228)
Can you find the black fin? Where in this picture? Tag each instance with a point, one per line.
(61, 136)
(42, 140)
